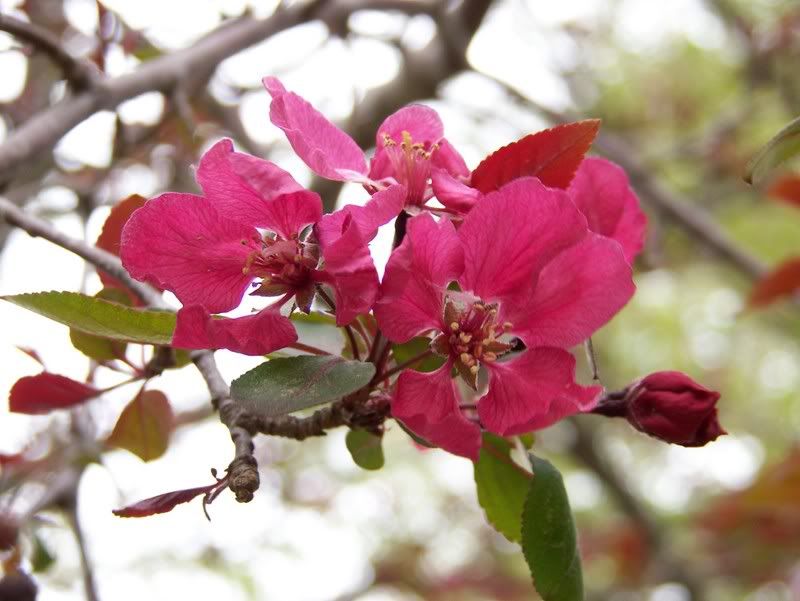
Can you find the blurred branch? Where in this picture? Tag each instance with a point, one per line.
(586, 450)
(70, 505)
(79, 73)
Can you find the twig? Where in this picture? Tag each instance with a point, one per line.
(81, 74)
(87, 570)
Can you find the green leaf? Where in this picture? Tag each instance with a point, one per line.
(412, 348)
(549, 541)
(502, 486)
(145, 425)
(282, 386)
(100, 317)
(95, 347)
(783, 146)
(365, 448)
(41, 556)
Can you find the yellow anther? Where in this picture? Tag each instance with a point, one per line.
(478, 307)
(473, 370)
(466, 358)
(489, 357)
(454, 326)
(387, 140)
(465, 338)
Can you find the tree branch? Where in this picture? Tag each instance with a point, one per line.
(80, 74)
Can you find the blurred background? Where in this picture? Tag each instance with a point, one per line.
(688, 91)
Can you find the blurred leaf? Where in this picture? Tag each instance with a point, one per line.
(783, 146)
(144, 426)
(45, 392)
(111, 233)
(365, 449)
(552, 155)
(163, 503)
(779, 283)
(100, 317)
(281, 386)
(412, 348)
(502, 486)
(41, 557)
(786, 189)
(549, 541)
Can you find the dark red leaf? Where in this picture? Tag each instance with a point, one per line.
(163, 503)
(45, 392)
(552, 155)
(780, 282)
(786, 189)
(112, 231)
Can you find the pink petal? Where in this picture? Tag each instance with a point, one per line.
(512, 233)
(421, 122)
(380, 210)
(428, 404)
(240, 185)
(579, 291)
(179, 242)
(448, 158)
(601, 191)
(256, 334)
(348, 267)
(325, 148)
(533, 391)
(417, 274)
(289, 214)
(453, 193)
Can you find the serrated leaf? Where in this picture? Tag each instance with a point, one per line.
(144, 426)
(281, 386)
(100, 317)
(365, 449)
(46, 392)
(95, 347)
(549, 540)
(502, 486)
(412, 348)
(783, 146)
(553, 155)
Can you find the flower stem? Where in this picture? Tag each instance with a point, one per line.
(308, 348)
(348, 330)
(405, 364)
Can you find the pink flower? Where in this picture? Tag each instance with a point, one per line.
(599, 188)
(207, 251)
(410, 144)
(527, 267)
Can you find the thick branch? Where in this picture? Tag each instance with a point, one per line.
(81, 74)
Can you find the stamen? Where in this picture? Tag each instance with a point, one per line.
(474, 369)
(465, 338)
(454, 326)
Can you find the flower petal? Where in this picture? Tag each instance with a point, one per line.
(380, 210)
(240, 185)
(533, 391)
(256, 334)
(512, 233)
(421, 122)
(428, 404)
(601, 191)
(579, 291)
(453, 193)
(448, 158)
(325, 148)
(290, 213)
(348, 267)
(180, 242)
(417, 274)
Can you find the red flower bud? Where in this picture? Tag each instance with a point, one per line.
(668, 405)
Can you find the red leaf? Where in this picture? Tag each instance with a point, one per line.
(112, 232)
(45, 392)
(163, 503)
(782, 281)
(786, 189)
(552, 155)
(32, 354)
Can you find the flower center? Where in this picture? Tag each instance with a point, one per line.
(411, 163)
(283, 265)
(472, 337)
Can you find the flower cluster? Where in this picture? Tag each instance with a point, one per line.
(503, 269)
